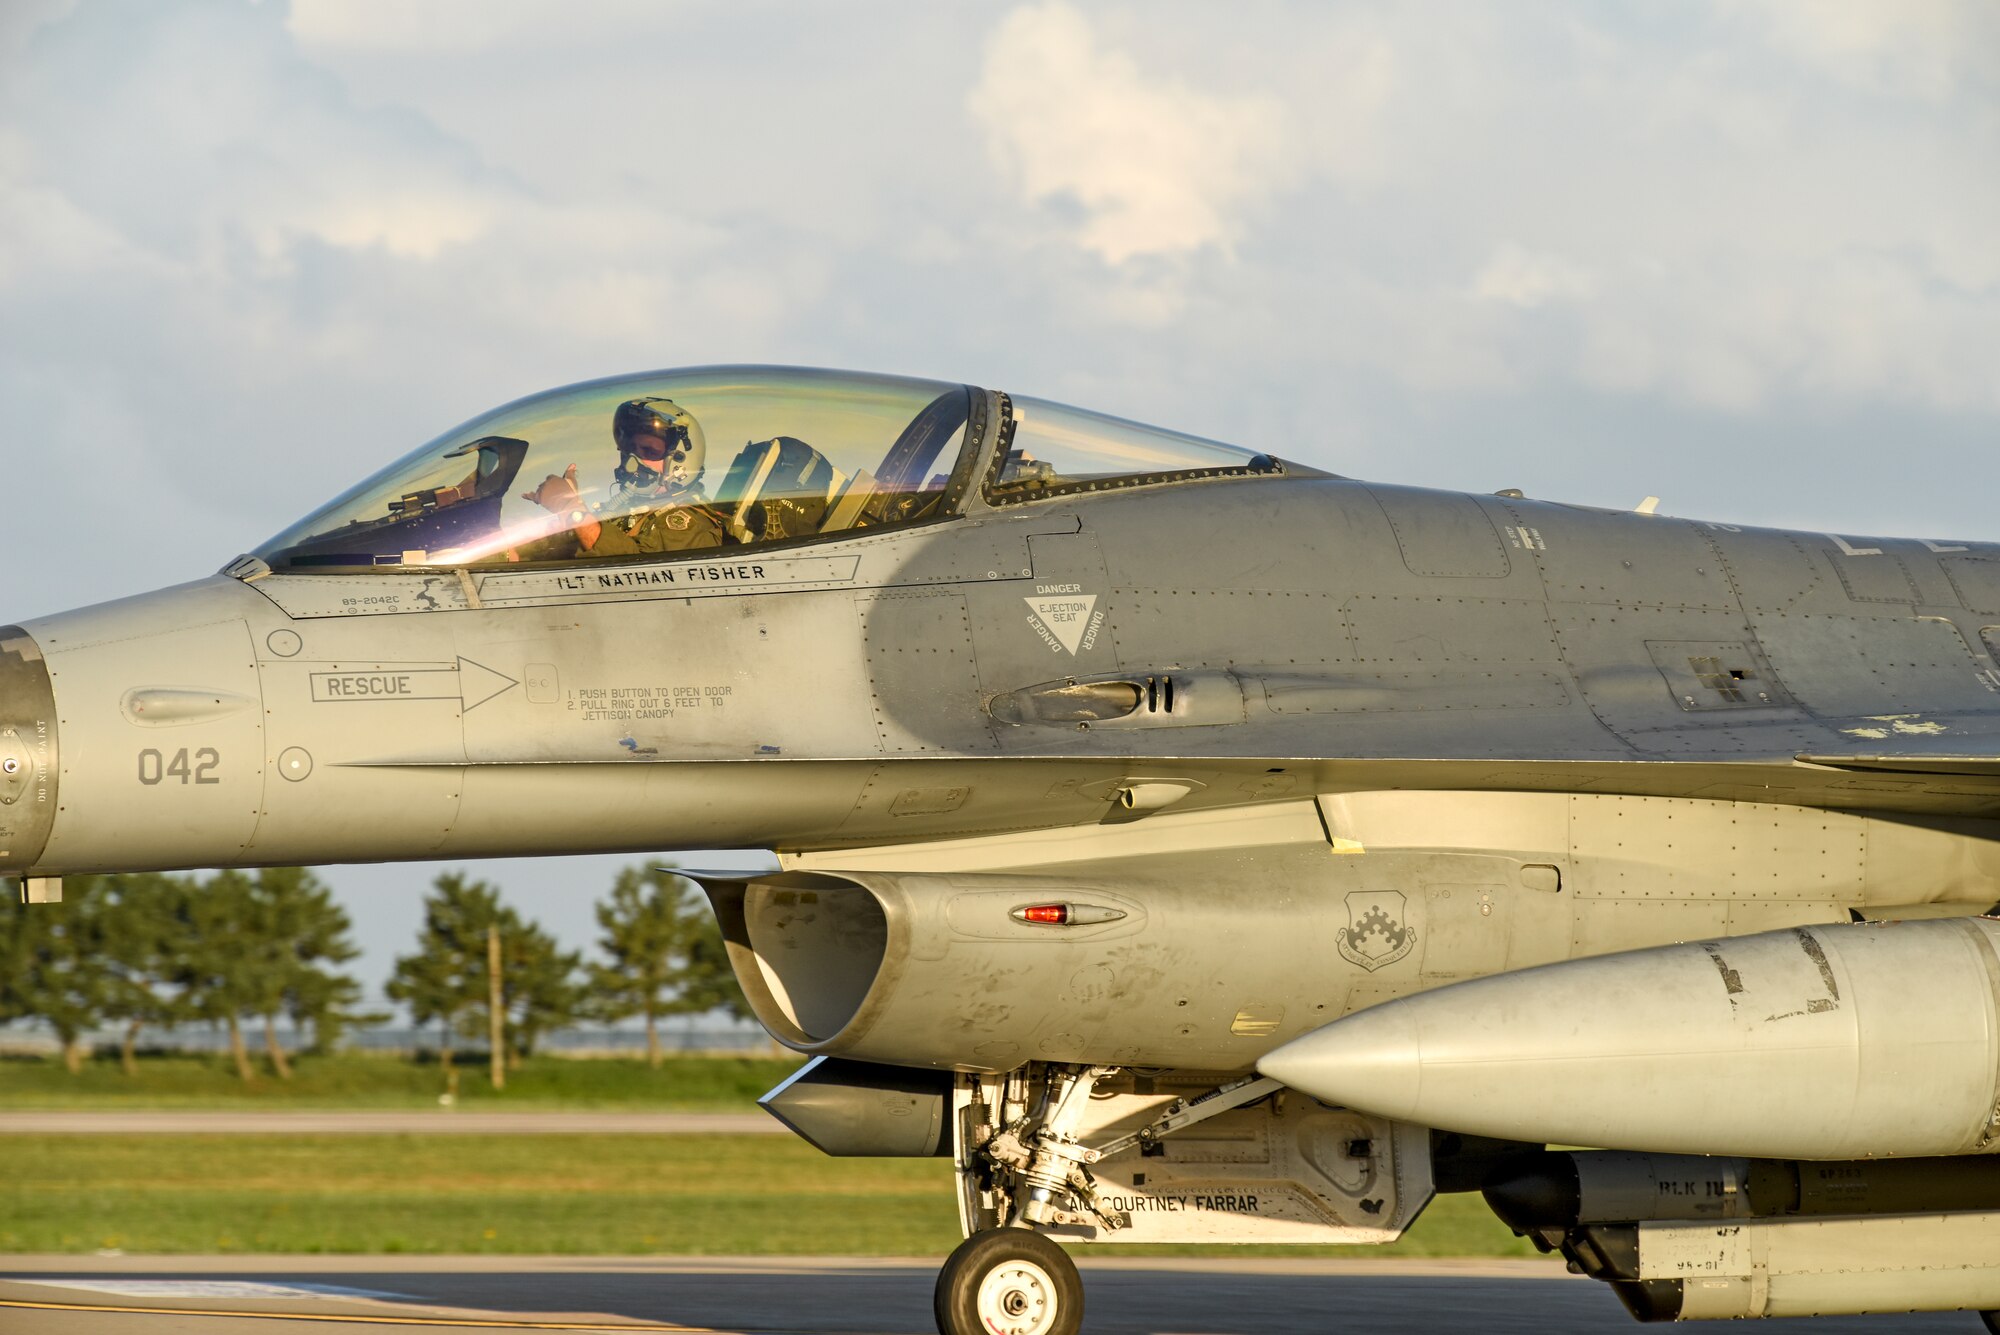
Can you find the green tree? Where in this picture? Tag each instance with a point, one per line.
(139, 937)
(217, 957)
(13, 942)
(538, 984)
(150, 949)
(445, 981)
(650, 925)
(293, 933)
(329, 1005)
(54, 969)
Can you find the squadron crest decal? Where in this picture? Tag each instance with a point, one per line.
(1375, 934)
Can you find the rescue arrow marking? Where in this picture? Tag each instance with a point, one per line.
(473, 684)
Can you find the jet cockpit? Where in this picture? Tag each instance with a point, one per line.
(637, 466)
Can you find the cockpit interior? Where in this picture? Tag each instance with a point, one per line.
(637, 465)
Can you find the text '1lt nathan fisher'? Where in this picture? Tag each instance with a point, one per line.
(1190, 845)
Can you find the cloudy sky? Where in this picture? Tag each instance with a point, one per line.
(1740, 254)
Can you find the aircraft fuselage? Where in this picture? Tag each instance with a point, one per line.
(1350, 635)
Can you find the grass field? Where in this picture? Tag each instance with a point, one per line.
(562, 1195)
(565, 1195)
(384, 1080)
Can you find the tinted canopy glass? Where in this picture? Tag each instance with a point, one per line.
(1058, 450)
(659, 463)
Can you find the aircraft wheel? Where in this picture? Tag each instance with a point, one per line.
(1009, 1281)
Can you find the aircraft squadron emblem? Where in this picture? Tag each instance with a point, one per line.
(1375, 934)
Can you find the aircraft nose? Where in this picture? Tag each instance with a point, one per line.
(27, 751)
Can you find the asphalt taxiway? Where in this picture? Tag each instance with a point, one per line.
(69, 1295)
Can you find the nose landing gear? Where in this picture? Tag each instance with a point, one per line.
(1009, 1281)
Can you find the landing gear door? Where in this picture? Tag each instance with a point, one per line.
(1056, 623)
(1288, 1169)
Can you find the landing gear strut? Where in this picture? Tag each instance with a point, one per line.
(1023, 1166)
(1009, 1281)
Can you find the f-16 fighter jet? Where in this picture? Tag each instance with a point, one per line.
(1187, 844)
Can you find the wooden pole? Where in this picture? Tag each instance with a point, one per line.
(496, 1015)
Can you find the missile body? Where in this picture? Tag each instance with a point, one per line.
(1556, 1192)
(1685, 1237)
(1559, 1191)
(1664, 1271)
(1825, 1042)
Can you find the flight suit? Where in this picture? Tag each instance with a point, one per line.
(671, 528)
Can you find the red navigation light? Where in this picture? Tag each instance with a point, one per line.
(1065, 915)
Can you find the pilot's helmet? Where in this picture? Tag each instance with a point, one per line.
(664, 420)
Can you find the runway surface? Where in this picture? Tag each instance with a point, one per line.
(475, 1295)
(443, 1121)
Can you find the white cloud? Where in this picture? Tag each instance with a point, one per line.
(270, 154)
(20, 19)
(1154, 165)
(42, 230)
(1711, 207)
(1520, 277)
(1927, 49)
(456, 28)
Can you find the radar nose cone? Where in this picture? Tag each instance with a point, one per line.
(27, 750)
(1371, 1061)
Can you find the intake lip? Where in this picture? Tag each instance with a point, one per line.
(28, 757)
(810, 950)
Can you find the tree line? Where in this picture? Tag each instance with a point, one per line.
(244, 950)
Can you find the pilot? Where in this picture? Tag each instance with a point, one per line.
(656, 491)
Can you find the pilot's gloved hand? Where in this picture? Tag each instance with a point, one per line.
(561, 498)
(558, 495)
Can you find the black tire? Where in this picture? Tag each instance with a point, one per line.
(1019, 1278)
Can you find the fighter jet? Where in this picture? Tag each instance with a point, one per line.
(1187, 844)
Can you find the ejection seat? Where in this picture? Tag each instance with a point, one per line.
(775, 489)
(896, 493)
(784, 488)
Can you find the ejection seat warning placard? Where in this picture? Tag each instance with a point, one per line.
(692, 579)
(629, 703)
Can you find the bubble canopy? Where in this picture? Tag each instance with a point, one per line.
(757, 454)
(693, 460)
